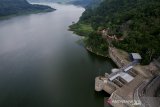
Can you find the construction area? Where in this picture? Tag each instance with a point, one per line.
(131, 84)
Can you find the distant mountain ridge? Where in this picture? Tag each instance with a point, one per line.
(62, 1)
(13, 7)
(83, 3)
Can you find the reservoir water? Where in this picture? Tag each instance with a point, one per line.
(42, 64)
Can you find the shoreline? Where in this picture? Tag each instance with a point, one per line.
(96, 53)
(35, 10)
(23, 14)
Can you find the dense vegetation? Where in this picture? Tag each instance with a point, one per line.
(14, 7)
(96, 43)
(136, 20)
(81, 29)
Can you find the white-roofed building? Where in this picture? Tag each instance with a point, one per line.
(114, 77)
(135, 57)
(126, 77)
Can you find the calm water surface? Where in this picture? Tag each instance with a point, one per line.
(42, 64)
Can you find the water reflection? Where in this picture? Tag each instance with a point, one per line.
(42, 65)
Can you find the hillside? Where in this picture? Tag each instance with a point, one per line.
(137, 21)
(14, 7)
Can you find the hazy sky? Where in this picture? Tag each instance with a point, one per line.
(50, 0)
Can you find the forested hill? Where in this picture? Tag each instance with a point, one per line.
(138, 21)
(12, 7)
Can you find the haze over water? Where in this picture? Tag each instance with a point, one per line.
(42, 64)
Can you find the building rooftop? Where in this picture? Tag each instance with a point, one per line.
(136, 56)
(114, 77)
(128, 78)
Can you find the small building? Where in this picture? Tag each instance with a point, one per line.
(135, 57)
(126, 77)
(123, 76)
